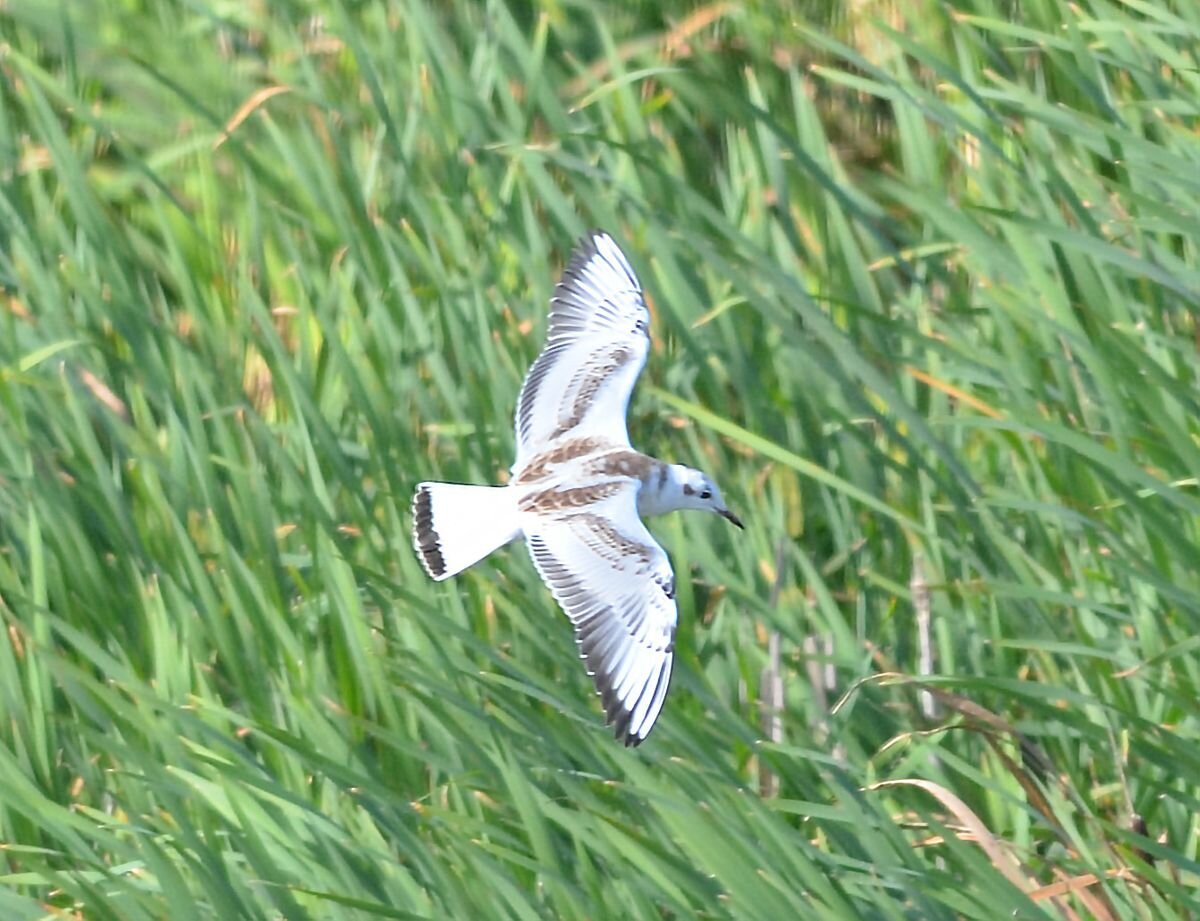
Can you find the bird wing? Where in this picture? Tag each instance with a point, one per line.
(615, 584)
(595, 348)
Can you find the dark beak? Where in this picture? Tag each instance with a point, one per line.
(732, 518)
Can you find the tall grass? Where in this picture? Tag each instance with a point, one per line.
(924, 287)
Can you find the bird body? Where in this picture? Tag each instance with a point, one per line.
(578, 491)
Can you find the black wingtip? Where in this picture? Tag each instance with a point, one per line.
(586, 247)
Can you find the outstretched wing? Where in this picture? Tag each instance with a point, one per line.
(595, 348)
(615, 583)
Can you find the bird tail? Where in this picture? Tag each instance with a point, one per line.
(456, 526)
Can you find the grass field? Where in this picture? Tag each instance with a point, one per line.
(924, 283)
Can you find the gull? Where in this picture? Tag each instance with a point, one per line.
(578, 491)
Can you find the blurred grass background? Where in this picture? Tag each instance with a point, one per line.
(924, 281)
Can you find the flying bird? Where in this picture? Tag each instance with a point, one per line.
(578, 491)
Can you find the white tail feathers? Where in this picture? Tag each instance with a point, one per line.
(456, 526)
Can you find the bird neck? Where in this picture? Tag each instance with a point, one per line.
(662, 490)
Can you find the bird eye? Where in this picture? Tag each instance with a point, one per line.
(707, 494)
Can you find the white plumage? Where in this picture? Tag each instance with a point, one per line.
(579, 490)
